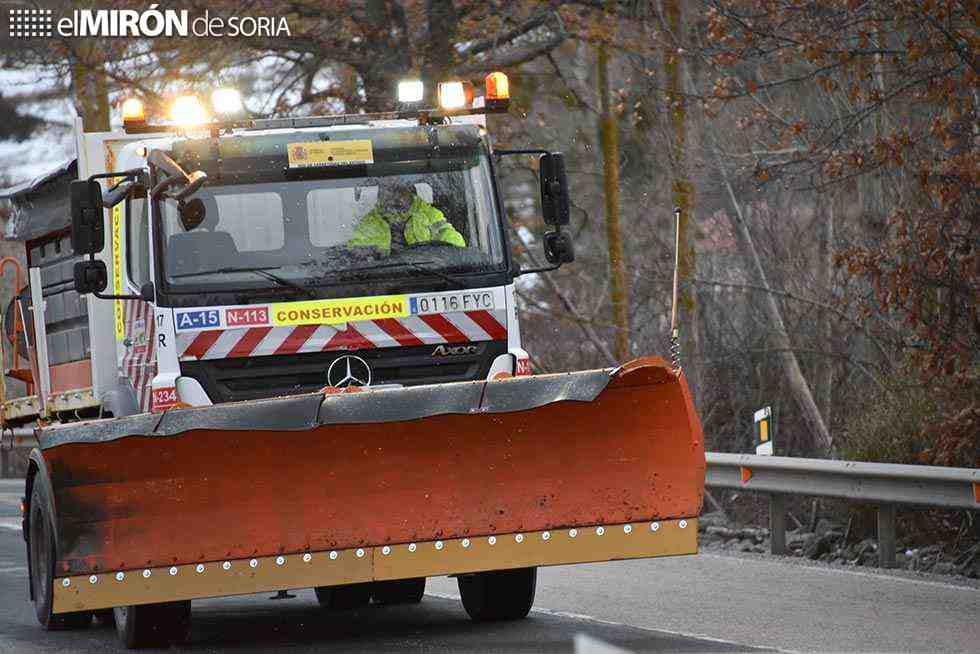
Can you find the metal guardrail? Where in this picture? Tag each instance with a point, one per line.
(886, 485)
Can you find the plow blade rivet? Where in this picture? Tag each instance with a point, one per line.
(93, 579)
(359, 553)
(333, 556)
(439, 545)
(146, 574)
(412, 547)
(66, 582)
(682, 524)
(546, 535)
(654, 526)
(200, 568)
(120, 576)
(253, 563)
(386, 550)
(599, 531)
(280, 560)
(465, 543)
(627, 529)
(173, 571)
(572, 533)
(519, 538)
(226, 565)
(307, 557)
(492, 540)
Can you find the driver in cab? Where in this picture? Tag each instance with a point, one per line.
(401, 219)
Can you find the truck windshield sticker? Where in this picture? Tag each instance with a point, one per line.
(319, 154)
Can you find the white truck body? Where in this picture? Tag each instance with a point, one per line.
(142, 345)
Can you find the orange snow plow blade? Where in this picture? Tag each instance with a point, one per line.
(320, 490)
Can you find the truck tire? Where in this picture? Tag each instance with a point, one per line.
(498, 595)
(153, 625)
(105, 617)
(41, 550)
(400, 591)
(344, 598)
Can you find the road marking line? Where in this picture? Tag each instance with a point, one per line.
(881, 576)
(19, 568)
(10, 523)
(613, 623)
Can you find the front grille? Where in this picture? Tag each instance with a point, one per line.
(229, 380)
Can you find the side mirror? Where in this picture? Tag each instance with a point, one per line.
(191, 213)
(558, 248)
(87, 227)
(90, 276)
(554, 189)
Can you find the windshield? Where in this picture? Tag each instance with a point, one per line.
(434, 218)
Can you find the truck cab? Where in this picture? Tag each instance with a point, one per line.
(277, 258)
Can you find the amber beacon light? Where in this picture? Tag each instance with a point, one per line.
(133, 112)
(496, 90)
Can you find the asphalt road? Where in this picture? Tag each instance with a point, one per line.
(709, 603)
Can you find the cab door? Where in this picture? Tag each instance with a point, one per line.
(135, 326)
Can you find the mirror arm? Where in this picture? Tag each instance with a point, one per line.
(104, 296)
(530, 271)
(158, 191)
(116, 194)
(506, 152)
(125, 174)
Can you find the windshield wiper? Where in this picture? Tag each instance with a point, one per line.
(416, 265)
(262, 271)
(420, 266)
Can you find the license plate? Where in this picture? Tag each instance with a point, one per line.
(450, 302)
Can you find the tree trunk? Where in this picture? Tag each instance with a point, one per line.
(440, 50)
(91, 90)
(609, 142)
(798, 385)
(826, 384)
(682, 191)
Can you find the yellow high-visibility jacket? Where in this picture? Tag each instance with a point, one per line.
(422, 223)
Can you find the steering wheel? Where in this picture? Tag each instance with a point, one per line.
(425, 243)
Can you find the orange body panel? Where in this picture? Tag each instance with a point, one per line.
(634, 453)
(71, 376)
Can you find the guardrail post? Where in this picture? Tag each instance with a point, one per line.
(886, 535)
(777, 523)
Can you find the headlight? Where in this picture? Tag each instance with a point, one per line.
(188, 110)
(410, 91)
(227, 102)
(455, 95)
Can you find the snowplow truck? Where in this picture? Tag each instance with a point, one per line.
(302, 368)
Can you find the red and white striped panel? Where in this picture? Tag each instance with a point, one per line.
(432, 329)
(139, 361)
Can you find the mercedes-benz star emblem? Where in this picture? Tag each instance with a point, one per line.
(349, 370)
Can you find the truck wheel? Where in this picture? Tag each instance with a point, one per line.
(105, 617)
(401, 591)
(41, 550)
(153, 625)
(498, 595)
(344, 598)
